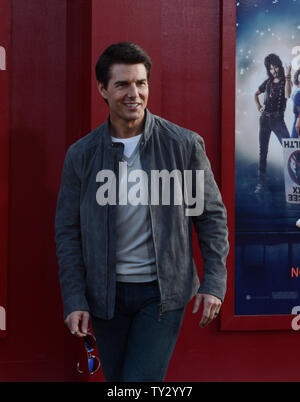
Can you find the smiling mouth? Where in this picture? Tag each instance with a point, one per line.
(132, 105)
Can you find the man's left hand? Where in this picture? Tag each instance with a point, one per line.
(211, 307)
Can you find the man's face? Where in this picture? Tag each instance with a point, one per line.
(274, 70)
(127, 92)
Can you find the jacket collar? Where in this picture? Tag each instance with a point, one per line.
(147, 129)
(148, 125)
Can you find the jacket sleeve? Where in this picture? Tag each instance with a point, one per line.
(72, 273)
(211, 227)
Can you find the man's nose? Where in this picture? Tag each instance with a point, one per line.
(133, 91)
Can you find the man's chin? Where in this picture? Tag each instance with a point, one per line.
(134, 116)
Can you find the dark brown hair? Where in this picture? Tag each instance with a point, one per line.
(122, 52)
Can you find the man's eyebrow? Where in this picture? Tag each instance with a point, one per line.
(120, 83)
(124, 82)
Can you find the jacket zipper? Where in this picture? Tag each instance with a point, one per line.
(160, 309)
(115, 167)
(107, 263)
(160, 312)
(107, 255)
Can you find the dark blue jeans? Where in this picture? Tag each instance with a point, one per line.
(269, 122)
(136, 345)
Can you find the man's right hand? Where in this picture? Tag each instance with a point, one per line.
(78, 322)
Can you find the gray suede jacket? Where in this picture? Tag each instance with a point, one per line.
(85, 229)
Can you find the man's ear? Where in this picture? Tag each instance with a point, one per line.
(102, 90)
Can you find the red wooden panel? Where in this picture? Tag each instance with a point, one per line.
(126, 20)
(4, 155)
(50, 67)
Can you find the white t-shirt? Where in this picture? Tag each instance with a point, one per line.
(135, 256)
(129, 143)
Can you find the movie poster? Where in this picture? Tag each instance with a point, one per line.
(267, 157)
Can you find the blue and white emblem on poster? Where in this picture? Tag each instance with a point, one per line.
(291, 156)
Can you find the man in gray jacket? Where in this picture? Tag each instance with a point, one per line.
(130, 194)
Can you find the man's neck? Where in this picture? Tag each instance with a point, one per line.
(126, 129)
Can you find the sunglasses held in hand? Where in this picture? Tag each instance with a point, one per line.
(93, 361)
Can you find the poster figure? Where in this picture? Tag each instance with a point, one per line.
(276, 89)
(267, 163)
(296, 106)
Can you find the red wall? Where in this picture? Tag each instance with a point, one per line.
(55, 44)
(49, 62)
(4, 153)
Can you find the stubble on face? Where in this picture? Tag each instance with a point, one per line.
(127, 96)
